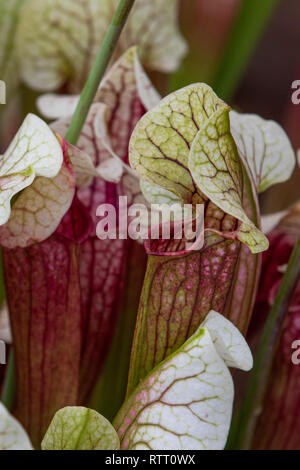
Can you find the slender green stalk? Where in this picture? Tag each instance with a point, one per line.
(86, 99)
(247, 30)
(253, 401)
(90, 89)
(8, 390)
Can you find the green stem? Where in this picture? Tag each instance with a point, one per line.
(8, 391)
(90, 89)
(247, 30)
(86, 99)
(256, 389)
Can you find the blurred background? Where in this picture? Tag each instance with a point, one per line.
(248, 50)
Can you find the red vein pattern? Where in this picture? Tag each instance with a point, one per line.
(103, 262)
(179, 291)
(44, 295)
(177, 294)
(43, 290)
(102, 269)
(278, 427)
(241, 298)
